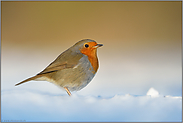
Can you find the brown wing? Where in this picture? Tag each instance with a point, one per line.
(67, 59)
(50, 69)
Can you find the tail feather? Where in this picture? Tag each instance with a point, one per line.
(29, 79)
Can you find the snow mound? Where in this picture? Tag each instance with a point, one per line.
(152, 92)
(38, 106)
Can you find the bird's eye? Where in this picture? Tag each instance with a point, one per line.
(86, 45)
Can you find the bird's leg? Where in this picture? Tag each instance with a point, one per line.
(69, 93)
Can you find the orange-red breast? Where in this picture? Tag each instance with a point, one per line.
(73, 69)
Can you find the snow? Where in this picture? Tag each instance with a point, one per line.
(38, 106)
(152, 92)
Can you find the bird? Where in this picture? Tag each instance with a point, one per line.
(73, 69)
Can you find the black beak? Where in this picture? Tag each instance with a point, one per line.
(98, 45)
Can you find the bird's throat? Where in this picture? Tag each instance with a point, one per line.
(92, 57)
(94, 62)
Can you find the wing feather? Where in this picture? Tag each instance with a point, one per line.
(67, 59)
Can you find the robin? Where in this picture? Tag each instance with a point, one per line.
(73, 69)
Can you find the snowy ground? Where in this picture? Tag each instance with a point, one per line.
(30, 106)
